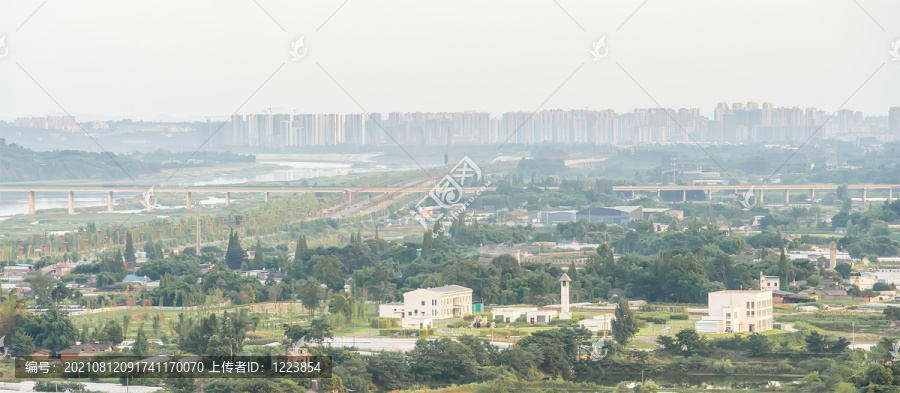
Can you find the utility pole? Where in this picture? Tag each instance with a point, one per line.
(198, 228)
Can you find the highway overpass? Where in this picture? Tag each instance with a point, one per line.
(759, 189)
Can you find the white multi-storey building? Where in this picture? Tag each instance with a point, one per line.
(449, 301)
(738, 312)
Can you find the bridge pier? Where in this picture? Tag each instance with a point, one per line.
(187, 200)
(31, 202)
(684, 195)
(865, 198)
(787, 196)
(890, 194)
(812, 193)
(709, 194)
(109, 202)
(227, 198)
(658, 194)
(71, 202)
(761, 199)
(266, 196)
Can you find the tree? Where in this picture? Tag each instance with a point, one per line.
(689, 341)
(624, 327)
(301, 246)
(21, 344)
(784, 269)
(141, 346)
(758, 345)
(150, 249)
(442, 360)
(573, 271)
(126, 322)
(842, 192)
(329, 270)
(155, 324)
(813, 280)
(258, 259)
(877, 374)
(60, 293)
(129, 251)
(221, 345)
(427, 242)
(41, 285)
(390, 371)
(316, 332)
(816, 343)
(234, 254)
(311, 294)
(114, 332)
(248, 294)
(56, 331)
(844, 269)
(179, 385)
(892, 313)
(506, 263)
(340, 304)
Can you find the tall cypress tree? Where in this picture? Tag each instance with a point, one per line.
(150, 249)
(784, 268)
(573, 271)
(258, 261)
(427, 242)
(624, 327)
(234, 255)
(129, 251)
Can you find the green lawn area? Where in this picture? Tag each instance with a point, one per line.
(675, 325)
(638, 344)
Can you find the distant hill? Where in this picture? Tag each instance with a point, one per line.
(20, 164)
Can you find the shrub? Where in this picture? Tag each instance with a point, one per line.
(382, 323)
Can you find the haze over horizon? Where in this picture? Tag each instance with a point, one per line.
(186, 61)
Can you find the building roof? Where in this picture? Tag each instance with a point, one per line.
(742, 291)
(446, 289)
(565, 277)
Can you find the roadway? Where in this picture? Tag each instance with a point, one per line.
(757, 187)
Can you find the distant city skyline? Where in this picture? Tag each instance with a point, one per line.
(738, 122)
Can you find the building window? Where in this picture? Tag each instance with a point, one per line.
(423, 302)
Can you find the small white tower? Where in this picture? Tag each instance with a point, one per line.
(564, 297)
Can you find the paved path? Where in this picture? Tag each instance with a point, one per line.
(384, 343)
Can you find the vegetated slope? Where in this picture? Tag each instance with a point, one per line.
(20, 164)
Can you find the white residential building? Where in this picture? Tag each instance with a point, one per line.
(533, 315)
(449, 301)
(769, 283)
(863, 280)
(738, 312)
(510, 314)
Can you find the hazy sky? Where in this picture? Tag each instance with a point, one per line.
(192, 59)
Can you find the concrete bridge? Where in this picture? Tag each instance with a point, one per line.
(225, 190)
(760, 189)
